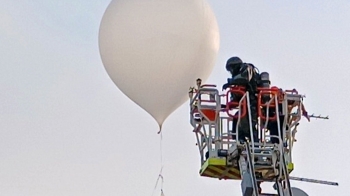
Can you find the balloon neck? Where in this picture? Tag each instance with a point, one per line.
(160, 128)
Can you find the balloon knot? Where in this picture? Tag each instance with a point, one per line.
(160, 129)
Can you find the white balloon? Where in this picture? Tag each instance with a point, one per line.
(154, 50)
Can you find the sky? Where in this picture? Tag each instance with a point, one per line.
(66, 129)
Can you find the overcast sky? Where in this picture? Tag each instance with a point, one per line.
(67, 130)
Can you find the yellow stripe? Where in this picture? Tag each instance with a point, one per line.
(235, 171)
(212, 161)
(208, 173)
(290, 167)
(216, 161)
(221, 171)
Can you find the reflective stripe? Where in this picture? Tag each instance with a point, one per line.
(216, 168)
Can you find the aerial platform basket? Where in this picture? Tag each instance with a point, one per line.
(225, 158)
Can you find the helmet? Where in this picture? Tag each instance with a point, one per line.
(232, 63)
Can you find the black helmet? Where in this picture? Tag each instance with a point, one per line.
(233, 63)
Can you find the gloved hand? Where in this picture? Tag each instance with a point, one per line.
(225, 86)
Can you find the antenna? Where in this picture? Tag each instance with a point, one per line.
(314, 181)
(314, 116)
(319, 117)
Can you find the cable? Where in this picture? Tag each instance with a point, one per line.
(160, 175)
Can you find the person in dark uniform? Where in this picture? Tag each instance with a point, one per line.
(272, 125)
(244, 74)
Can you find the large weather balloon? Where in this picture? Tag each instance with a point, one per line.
(154, 50)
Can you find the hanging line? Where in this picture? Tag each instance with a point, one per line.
(160, 176)
(161, 161)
